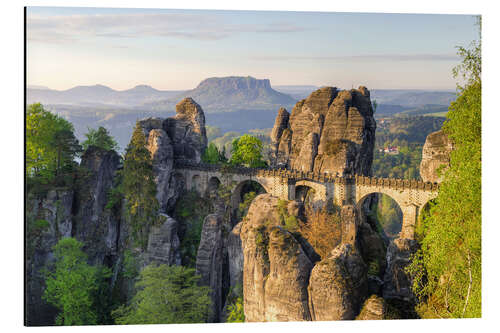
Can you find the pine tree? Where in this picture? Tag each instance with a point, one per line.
(139, 188)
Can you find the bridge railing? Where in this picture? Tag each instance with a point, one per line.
(393, 183)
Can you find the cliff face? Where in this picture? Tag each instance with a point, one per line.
(182, 137)
(276, 269)
(282, 277)
(94, 225)
(84, 215)
(330, 131)
(435, 156)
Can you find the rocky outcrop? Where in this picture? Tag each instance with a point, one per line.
(281, 124)
(374, 308)
(335, 129)
(94, 224)
(338, 285)
(305, 160)
(182, 137)
(162, 153)
(235, 256)
(163, 243)
(48, 219)
(435, 157)
(397, 283)
(210, 262)
(187, 131)
(276, 269)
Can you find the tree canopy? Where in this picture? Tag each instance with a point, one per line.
(212, 155)
(99, 138)
(166, 295)
(72, 285)
(51, 145)
(448, 266)
(139, 187)
(247, 151)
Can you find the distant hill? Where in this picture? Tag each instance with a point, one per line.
(98, 95)
(228, 94)
(296, 91)
(412, 98)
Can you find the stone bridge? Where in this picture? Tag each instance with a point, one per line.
(410, 195)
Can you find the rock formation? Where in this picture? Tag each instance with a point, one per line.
(183, 138)
(280, 125)
(397, 283)
(163, 243)
(374, 308)
(187, 131)
(338, 285)
(94, 225)
(56, 209)
(276, 269)
(335, 129)
(210, 261)
(435, 156)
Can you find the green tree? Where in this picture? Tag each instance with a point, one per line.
(139, 188)
(212, 155)
(236, 313)
(247, 150)
(51, 146)
(448, 267)
(166, 295)
(72, 285)
(99, 138)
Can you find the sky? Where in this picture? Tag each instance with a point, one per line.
(176, 49)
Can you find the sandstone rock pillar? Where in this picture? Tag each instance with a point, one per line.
(349, 217)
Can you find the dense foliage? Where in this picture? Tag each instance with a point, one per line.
(166, 295)
(99, 138)
(448, 266)
(139, 188)
(51, 147)
(190, 211)
(247, 150)
(72, 285)
(212, 155)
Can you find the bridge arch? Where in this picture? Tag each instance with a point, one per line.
(389, 213)
(245, 186)
(213, 185)
(315, 193)
(196, 183)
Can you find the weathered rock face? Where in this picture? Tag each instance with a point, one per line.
(95, 226)
(348, 135)
(182, 137)
(435, 156)
(338, 285)
(374, 308)
(308, 152)
(210, 261)
(162, 153)
(397, 283)
(163, 243)
(187, 130)
(56, 209)
(334, 128)
(235, 256)
(280, 125)
(276, 269)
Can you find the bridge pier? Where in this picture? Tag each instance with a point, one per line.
(410, 214)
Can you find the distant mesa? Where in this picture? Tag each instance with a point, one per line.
(233, 93)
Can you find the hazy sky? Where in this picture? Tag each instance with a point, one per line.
(176, 49)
